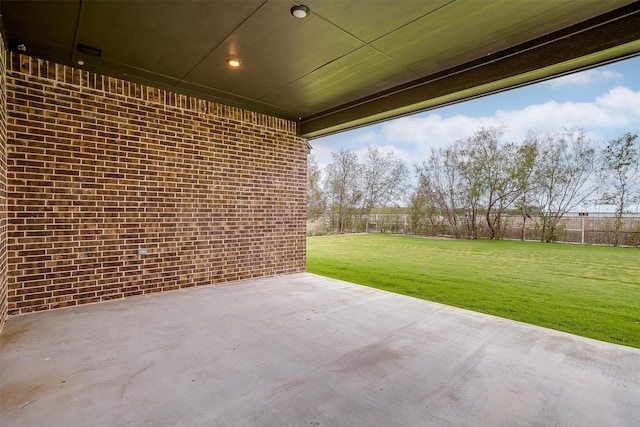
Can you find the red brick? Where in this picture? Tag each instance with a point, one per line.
(98, 168)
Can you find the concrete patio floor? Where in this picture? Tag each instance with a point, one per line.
(303, 350)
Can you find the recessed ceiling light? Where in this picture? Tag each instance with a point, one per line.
(233, 62)
(300, 11)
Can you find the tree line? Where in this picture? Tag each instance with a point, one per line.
(473, 183)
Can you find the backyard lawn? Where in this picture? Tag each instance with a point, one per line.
(585, 290)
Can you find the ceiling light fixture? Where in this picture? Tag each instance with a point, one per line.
(233, 62)
(300, 11)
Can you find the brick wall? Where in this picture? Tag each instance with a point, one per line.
(3, 188)
(99, 168)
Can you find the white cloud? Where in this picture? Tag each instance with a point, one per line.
(585, 78)
(433, 130)
(366, 137)
(618, 110)
(412, 138)
(322, 152)
(622, 102)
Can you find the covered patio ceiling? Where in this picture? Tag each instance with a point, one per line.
(347, 64)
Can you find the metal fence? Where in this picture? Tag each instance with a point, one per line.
(581, 229)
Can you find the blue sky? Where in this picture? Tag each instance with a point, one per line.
(604, 102)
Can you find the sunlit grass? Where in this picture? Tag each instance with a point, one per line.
(585, 290)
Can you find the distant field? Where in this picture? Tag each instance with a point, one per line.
(585, 290)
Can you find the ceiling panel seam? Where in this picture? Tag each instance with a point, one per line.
(369, 44)
(77, 32)
(480, 62)
(408, 68)
(182, 79)
(292, 82)
(364, 44)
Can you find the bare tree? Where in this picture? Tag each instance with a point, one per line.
(316, 202)
(342, 187)
(564, 177)
(470, 189)
(621, 167)
(384, 180)
(444, 175)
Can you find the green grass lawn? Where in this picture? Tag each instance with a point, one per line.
(585, 290)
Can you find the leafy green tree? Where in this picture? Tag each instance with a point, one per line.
(621, 167)
(316, 201)
(384, 180)
(489, 168)
(342, 187)
(526, 159)
(422, 209)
